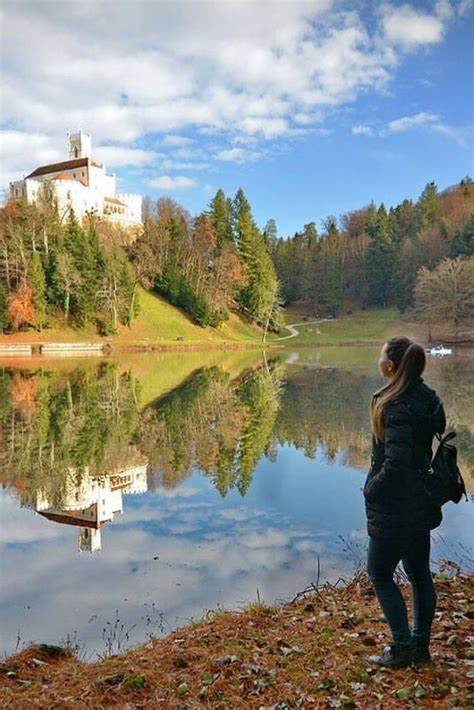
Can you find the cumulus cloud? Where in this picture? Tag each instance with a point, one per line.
(117, 156)
(407, 122)
(249, 70)
(167, 182)
(405, 25)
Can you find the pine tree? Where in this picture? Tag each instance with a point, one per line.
(428, 206)
(220, 215)
(260, 294)
(380, 259)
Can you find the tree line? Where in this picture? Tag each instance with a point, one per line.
(415, 255)
(372, 257)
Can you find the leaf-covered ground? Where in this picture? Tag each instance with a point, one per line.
(310, 653)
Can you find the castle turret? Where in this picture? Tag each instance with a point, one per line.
(79, 145)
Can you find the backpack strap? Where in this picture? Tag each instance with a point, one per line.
(447, 437)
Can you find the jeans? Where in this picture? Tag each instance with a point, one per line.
(414, 552)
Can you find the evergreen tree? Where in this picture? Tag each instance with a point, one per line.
(428, 206)
(220, 215)
(260, 294)
(380, 259)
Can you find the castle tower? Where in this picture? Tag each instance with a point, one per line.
(79, 145)
(89, 540)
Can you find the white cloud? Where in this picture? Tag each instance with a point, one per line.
(407, 122)
(405, 25)
(248, 70)
(361, 130)
(238, 155)
(116, 156)
(166, 182)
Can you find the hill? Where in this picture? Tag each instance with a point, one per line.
(158, 324)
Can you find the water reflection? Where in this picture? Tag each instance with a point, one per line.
(236, 479)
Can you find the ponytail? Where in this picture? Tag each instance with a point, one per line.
(409, 360)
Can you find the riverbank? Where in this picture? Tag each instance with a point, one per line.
(311, 653)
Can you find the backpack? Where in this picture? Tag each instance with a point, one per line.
(443, 479)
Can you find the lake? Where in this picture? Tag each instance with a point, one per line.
(138, 492)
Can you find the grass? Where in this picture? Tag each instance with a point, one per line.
(311, 652)
(370, 326)
(159, 323)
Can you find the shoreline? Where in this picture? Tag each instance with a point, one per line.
(310, 652)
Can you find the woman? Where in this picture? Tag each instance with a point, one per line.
(406, 414)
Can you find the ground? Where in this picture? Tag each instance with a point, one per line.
(310, 653)
(158, 324)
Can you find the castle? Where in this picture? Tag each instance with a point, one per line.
(81, 184)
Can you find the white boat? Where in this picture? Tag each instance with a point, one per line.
(439, 351)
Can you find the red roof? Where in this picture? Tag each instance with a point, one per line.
(68, 520)
(65, 176)
(65, 165)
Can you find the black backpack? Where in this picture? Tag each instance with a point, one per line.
(443, 479)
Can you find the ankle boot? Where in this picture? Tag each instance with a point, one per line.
(395, 656)
(422, 652)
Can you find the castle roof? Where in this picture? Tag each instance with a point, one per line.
(70, 520)
(66, 176)
(64, 165)
(114, 201)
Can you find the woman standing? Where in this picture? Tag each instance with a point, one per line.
(406, 414)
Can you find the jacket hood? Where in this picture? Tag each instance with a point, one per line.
(426, 404)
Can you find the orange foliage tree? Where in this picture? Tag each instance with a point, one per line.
(21, 306)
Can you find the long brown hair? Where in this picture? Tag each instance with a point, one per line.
(409, 360)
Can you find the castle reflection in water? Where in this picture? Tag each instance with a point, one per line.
(89, 501)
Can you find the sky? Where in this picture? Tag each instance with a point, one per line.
(313, 107)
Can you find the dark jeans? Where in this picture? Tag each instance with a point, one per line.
(414, 552)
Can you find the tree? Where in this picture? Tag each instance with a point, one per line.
(4, 319)
(21, 306)
(380, 258)
(220, 215)
(37, 283)
(428, 206)
(259, 295)
(446, 293)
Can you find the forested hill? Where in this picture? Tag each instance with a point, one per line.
(55, 272)
(414, 254)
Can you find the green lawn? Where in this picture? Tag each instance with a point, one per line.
(157, 323)
(370, 326)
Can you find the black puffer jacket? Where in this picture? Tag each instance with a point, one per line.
(395, 501)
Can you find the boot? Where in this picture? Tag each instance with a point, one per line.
(395, 656)
(422, 654)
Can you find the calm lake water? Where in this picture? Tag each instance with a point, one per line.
(140, 492)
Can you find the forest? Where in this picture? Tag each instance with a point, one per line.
(415, 255)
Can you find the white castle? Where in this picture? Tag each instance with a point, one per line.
(81, 184)
(90, 503)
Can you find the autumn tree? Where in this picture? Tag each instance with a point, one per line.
(446, 294)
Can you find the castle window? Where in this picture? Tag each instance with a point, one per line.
(74, 175)
(76, 152)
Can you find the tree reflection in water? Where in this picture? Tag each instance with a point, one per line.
(72, 445)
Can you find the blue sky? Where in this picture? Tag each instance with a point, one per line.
(314, 107)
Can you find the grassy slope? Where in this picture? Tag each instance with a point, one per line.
(157, 323)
